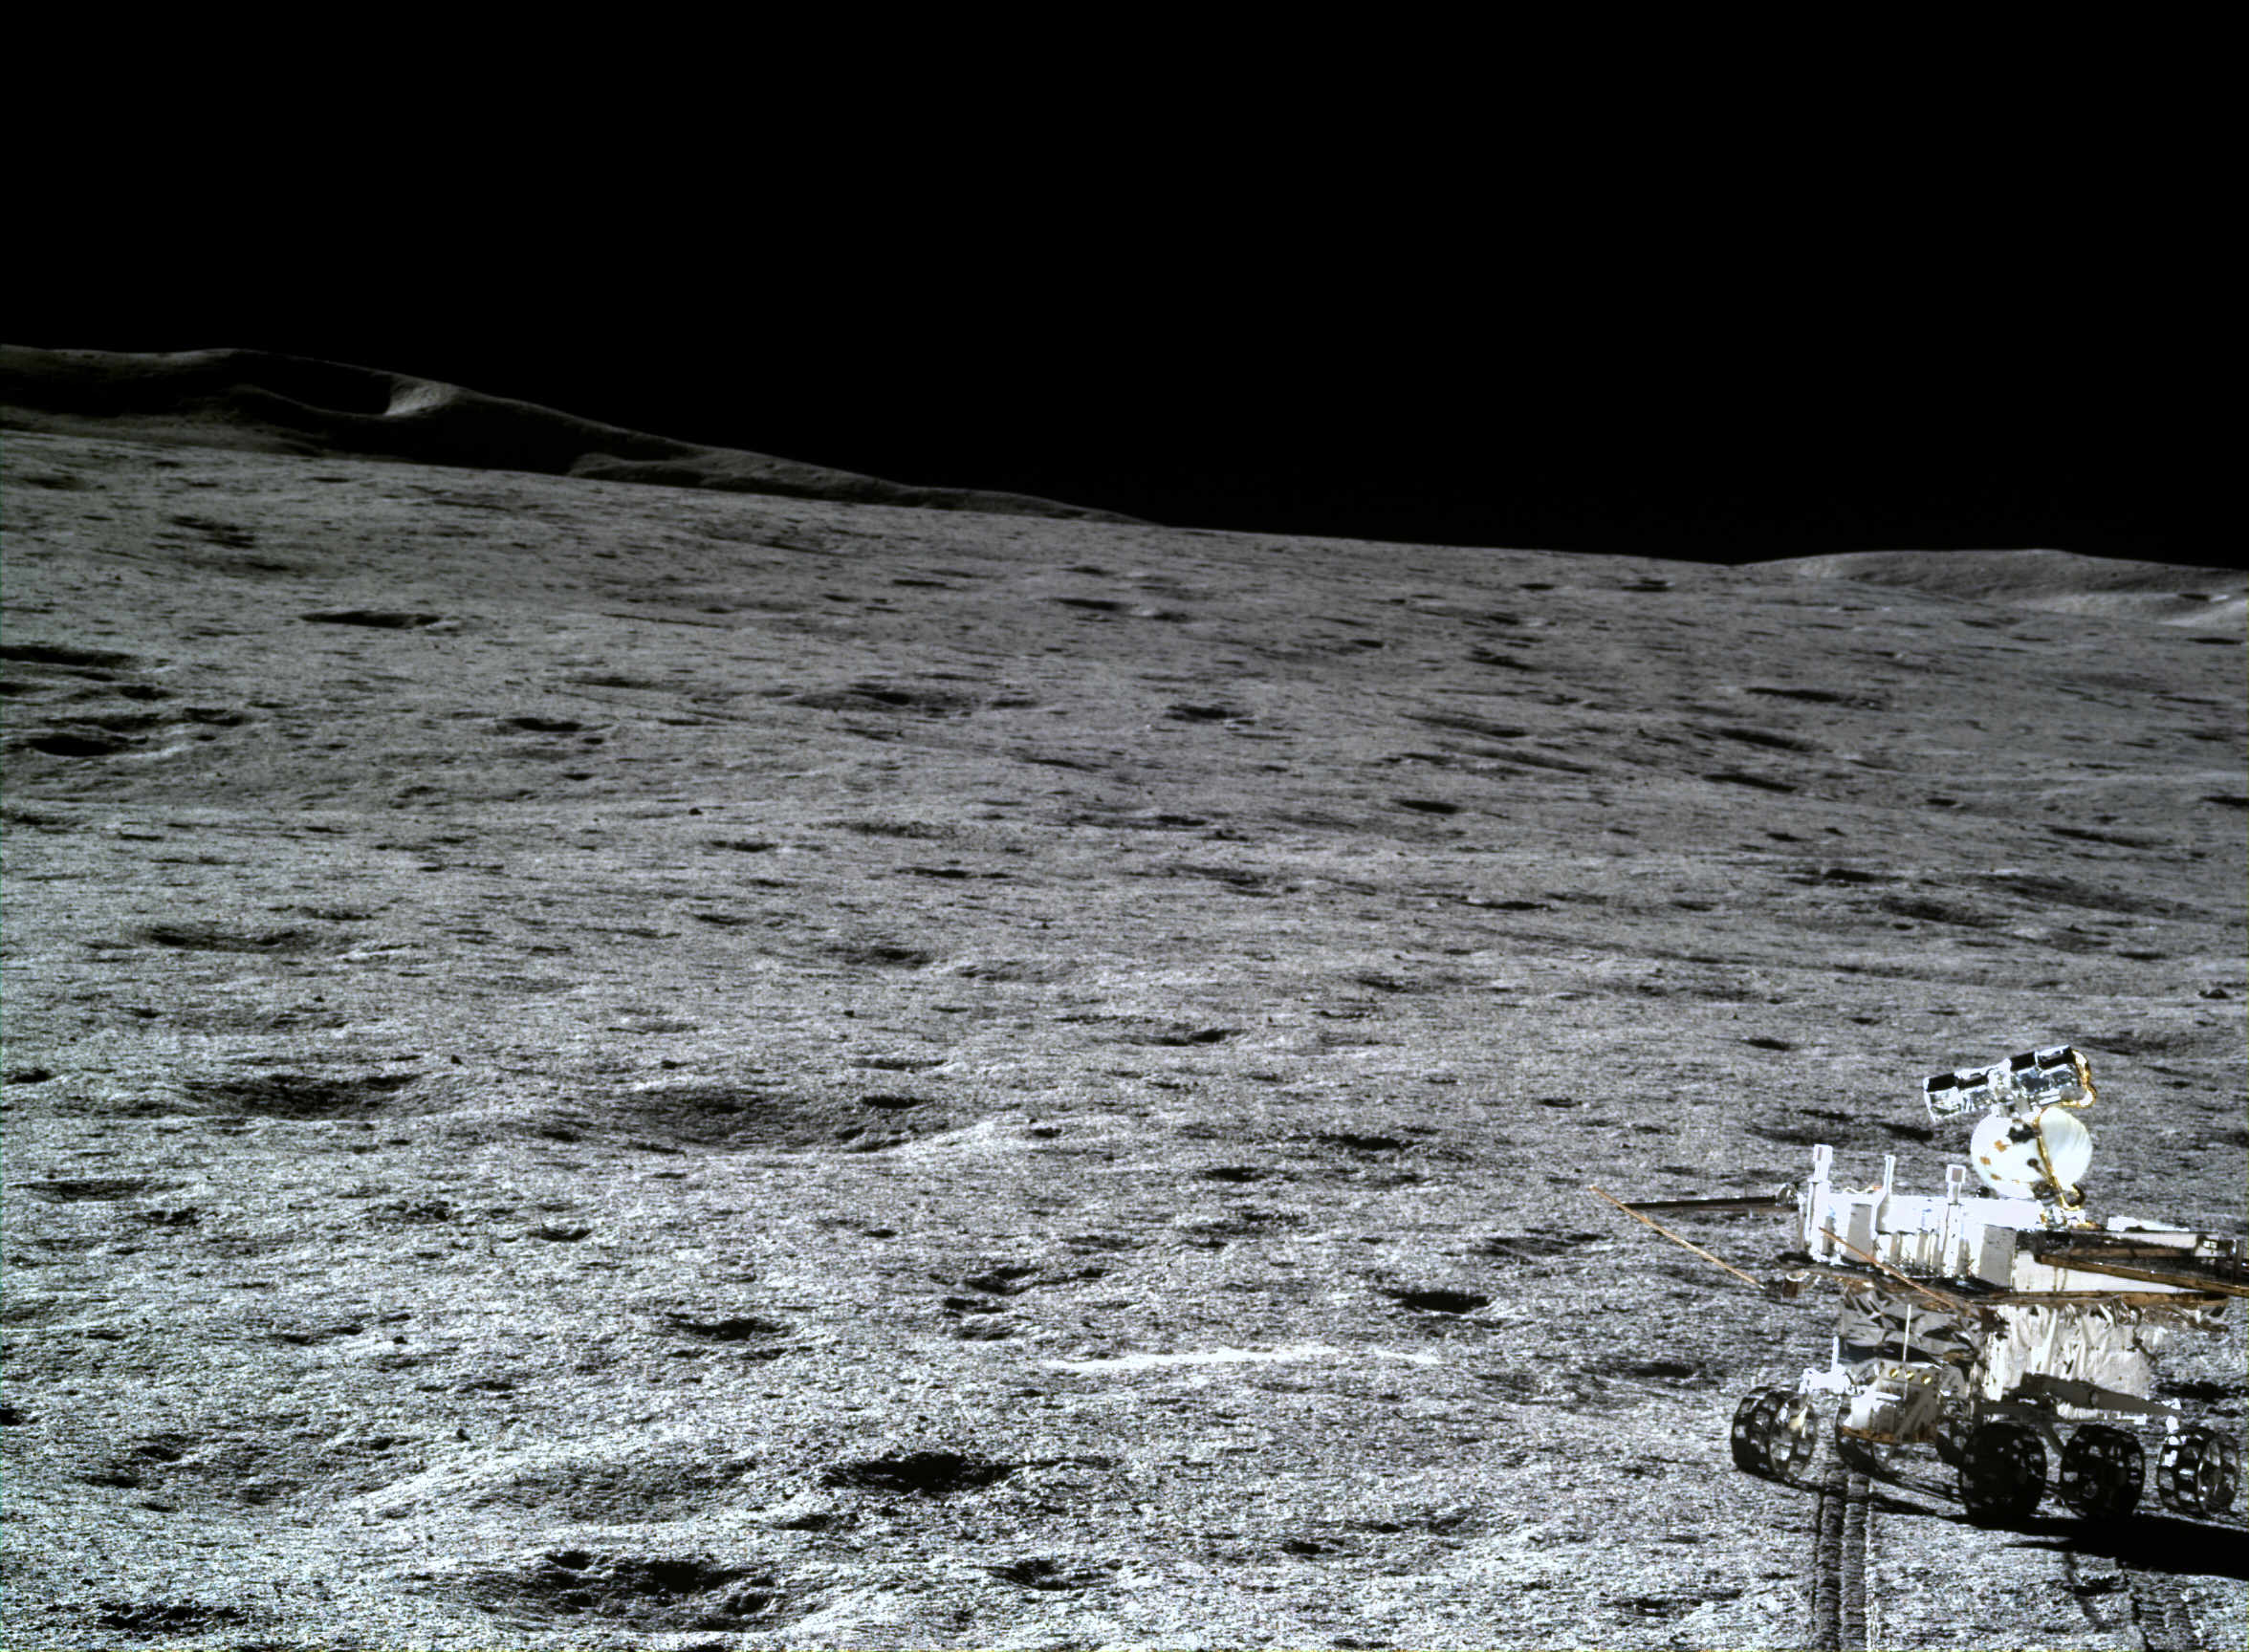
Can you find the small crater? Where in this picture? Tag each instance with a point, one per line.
(2200, 1391)
(697, 1115)
(1175, 1038)
(1040, 1573)
(1738, 777)
(1845, 875)
(69, 1191)
(1810, 1126)
(1236, 877)
(1816, 697)
(1041, 971)
(124, 722)
(311, 1335)
(412, 1213)
(192, 937)
(1932, 911)
(63, 744)
(1654, 1605)
(919, 1473)
(2122, 839)
(46, 654)
(1468, 725)
(1664, 1371)
(1770, 739)
(1534, 1247)
(1361, 1143)
(885, 955)
(380, 618)
(1438, 1300)
(732, 1328)
(915, 829)
(296, 1094)
(620, 680)
(228, 534)
(169, 1617)
(647, 1592)
(983, 1331)
(971, 1305)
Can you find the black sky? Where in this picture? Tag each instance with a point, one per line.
(1665, 386)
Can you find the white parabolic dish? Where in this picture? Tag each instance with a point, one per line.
(2006, 1151)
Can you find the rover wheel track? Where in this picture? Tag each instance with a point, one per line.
(1840, 1561)
(2147, 1608)
(2159, 1613)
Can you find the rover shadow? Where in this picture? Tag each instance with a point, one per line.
(2148, 1542)
(2148, 1539)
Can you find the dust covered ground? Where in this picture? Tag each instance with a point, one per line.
(608, 1065)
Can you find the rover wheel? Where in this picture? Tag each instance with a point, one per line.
(1748, 1436)
(2002, 1472)
(1792, 1439)
(1950, 1440)
(2200, 1471)
(2103, 1469)
(1867, 1456)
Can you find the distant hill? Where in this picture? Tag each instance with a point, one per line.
(252, 400)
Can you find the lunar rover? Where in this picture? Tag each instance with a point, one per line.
(1995, 1326)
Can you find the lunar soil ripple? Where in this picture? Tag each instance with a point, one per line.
(598, 1064)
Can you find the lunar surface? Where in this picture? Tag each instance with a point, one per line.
(631, 1059)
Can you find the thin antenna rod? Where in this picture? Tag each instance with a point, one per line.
(1750, 1280)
